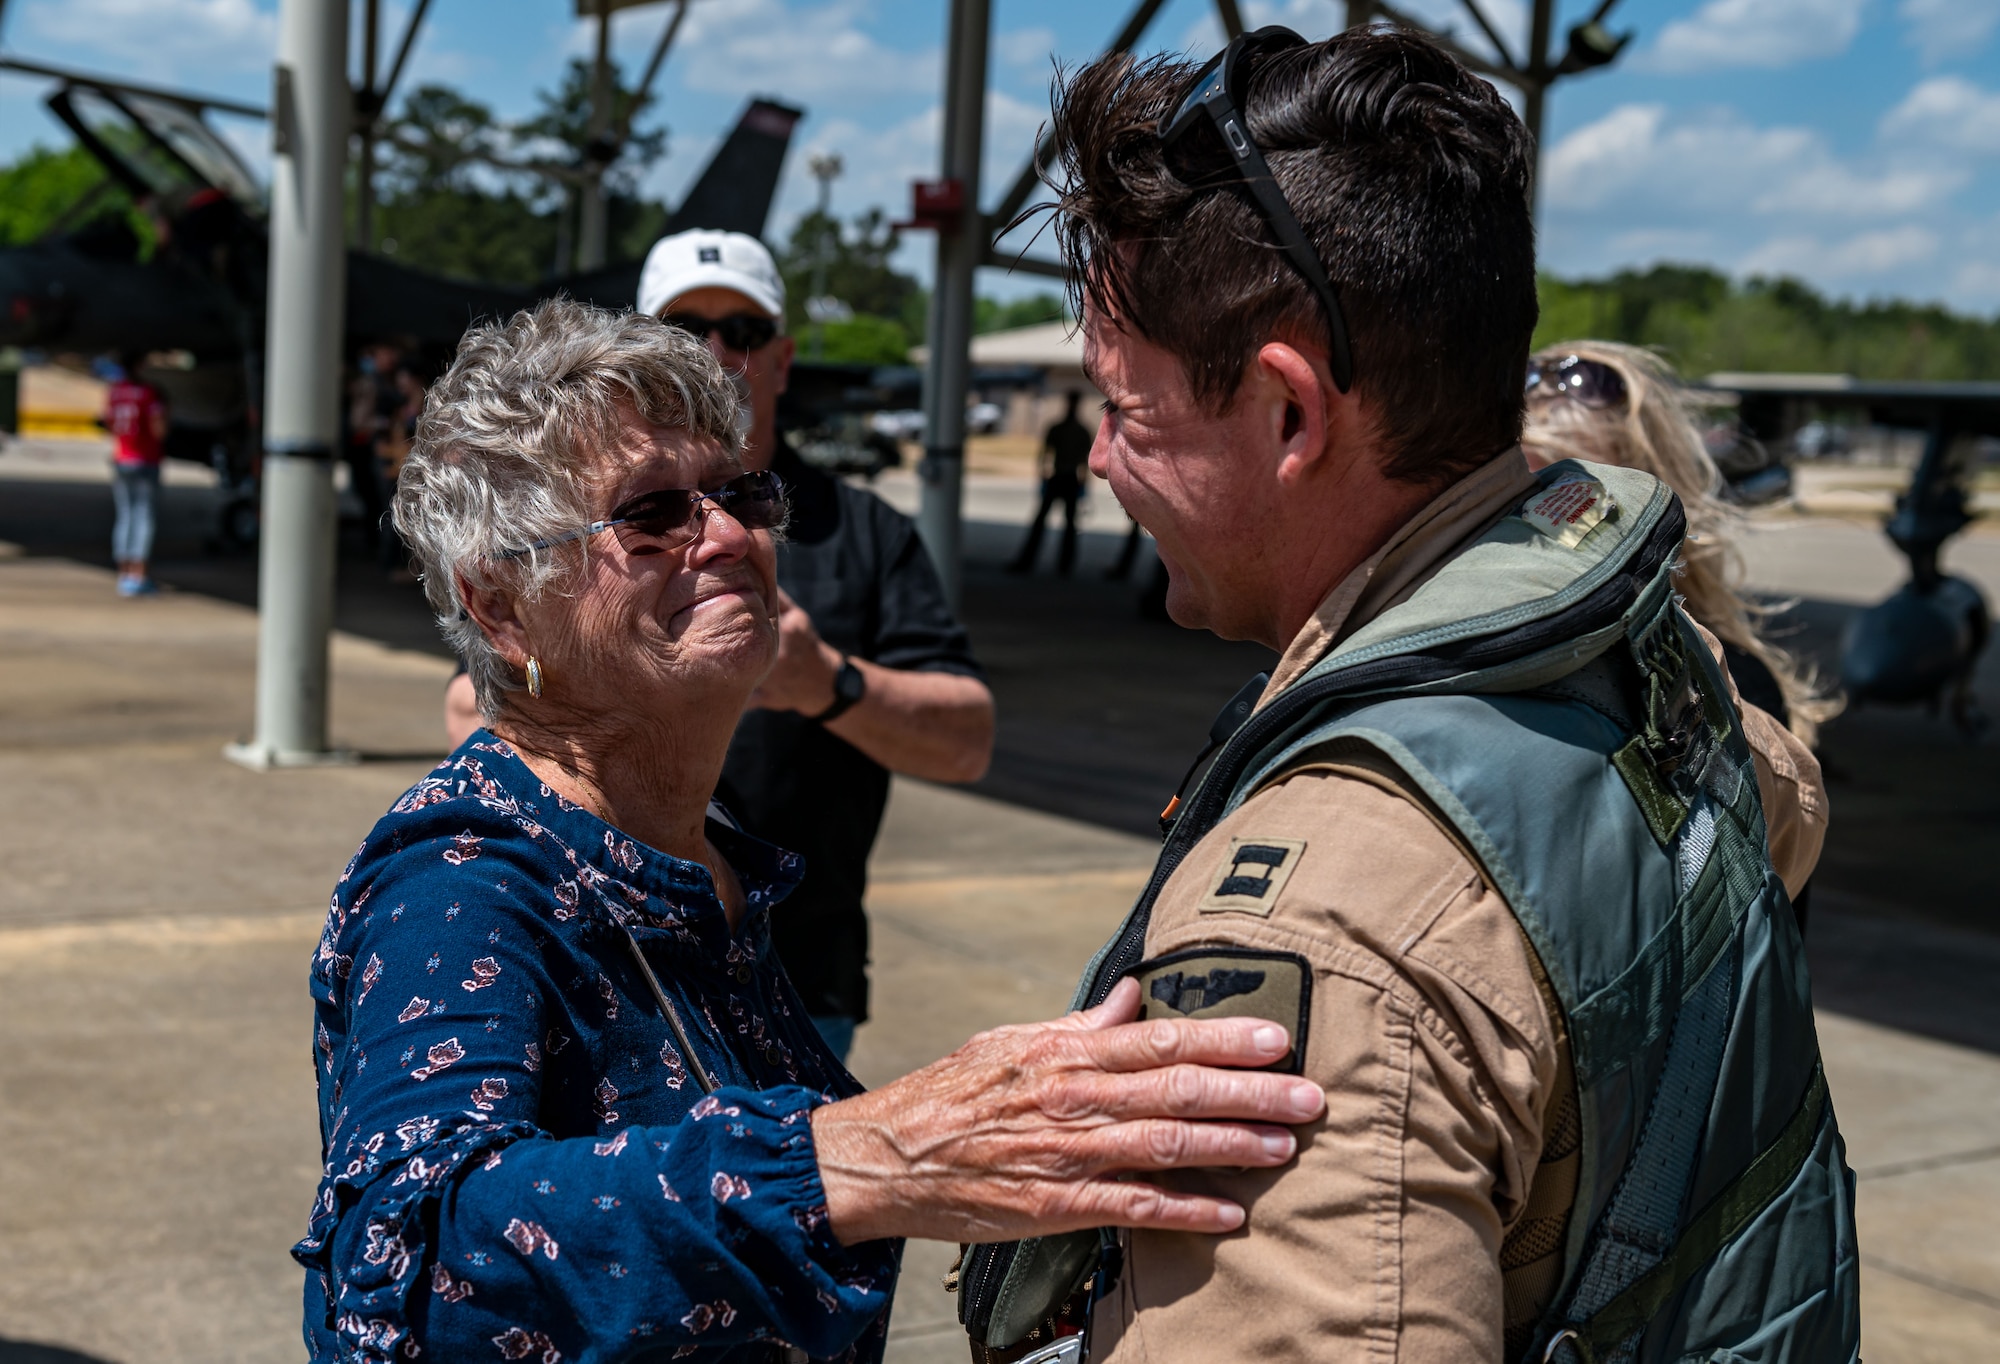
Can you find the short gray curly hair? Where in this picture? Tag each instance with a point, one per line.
(504, 452)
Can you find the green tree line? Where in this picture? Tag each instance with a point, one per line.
(1704, 322)
(442, 205)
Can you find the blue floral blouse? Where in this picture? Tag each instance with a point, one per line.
(520, 1161)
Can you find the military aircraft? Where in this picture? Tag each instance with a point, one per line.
(86, 290)
(1922, 644)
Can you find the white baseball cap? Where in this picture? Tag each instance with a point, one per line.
(704, 259)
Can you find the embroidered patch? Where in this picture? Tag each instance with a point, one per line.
(1252, 874)
(1570, 509)
(1208, 982)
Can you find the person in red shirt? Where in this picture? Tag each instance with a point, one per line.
(136, 416)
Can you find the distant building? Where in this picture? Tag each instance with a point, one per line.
(1054, 348)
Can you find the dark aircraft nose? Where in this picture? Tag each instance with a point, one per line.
(35, 307)
(1912, 646)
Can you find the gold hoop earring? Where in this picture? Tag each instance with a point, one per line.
(534, 676)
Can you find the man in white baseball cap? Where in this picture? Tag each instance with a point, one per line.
(874, 675)
(725, 286)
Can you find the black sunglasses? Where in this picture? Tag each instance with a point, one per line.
(1215, 100)
(656, 522)
(1589, 382)
(743, 332)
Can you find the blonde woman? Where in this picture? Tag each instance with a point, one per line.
(1618, 404)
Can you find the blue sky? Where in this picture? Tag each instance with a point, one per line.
(1853, 143)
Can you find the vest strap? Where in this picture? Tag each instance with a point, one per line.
(1715, 1226)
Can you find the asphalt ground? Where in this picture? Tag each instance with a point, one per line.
(155, 1093)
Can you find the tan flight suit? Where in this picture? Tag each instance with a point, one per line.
(1449, 1144)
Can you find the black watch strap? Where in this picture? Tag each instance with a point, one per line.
(849, 686)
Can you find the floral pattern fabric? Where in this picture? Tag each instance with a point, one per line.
(520, 1161)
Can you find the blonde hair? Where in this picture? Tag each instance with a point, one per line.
(1654, 430)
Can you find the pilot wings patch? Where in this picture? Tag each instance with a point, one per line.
(1231, 982)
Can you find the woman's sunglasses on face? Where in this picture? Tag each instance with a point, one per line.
(742, 332)
(656, 522)
(1589, 382)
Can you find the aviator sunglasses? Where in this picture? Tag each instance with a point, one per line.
(656, 522)
(742, 332)
(1591, 383)
(1207, 143)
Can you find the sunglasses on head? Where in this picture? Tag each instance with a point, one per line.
(743, 332)
(1589, 382)
(656, 522)
(1207, 143)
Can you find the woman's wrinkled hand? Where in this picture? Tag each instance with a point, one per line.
(1033, 1130)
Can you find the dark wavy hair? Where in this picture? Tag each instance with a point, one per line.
(1410, 177)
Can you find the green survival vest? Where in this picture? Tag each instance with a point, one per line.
(1547, 693)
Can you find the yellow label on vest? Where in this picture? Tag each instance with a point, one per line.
(1570, 510)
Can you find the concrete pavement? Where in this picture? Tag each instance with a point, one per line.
(155, 1090)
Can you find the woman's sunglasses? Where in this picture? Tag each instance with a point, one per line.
(1589, 382)
(656, 522)
(742, 332)
(1207, 143)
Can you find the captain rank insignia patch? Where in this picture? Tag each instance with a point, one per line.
(1230, 982)
(1252, 873)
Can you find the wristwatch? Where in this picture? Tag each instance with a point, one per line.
(849, 686)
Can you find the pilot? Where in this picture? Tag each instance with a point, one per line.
(1494, 839)
(874, 674)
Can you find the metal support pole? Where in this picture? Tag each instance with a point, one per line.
(592, 228)
(826, 167)
(959, 250)
(308, 285)
(1534, 96)
(364, 174)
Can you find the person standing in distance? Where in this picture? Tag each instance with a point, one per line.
(1067, 447)
(874, 675)
(136, 417)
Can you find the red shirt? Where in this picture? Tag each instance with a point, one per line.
(130, 410)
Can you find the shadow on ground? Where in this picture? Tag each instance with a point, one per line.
(1100, 712)
(27, 1352)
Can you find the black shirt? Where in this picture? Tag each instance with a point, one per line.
(856, 566)
(1069, 442)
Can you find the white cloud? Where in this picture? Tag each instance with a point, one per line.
(1869, 253)
(161, 38)
(1029, 47)
(1764, 33)
(1947, 112)
(1831, 188)
(800, 51)
(1976, 284)
(1640, 159)
(1943, 29)
(1203, 37)
(1508, 17)
(1656, 244)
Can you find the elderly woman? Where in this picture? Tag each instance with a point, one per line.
(572, 1109)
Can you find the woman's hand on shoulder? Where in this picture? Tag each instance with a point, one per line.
(1032, 1130)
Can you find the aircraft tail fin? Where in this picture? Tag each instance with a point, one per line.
(734, 192)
